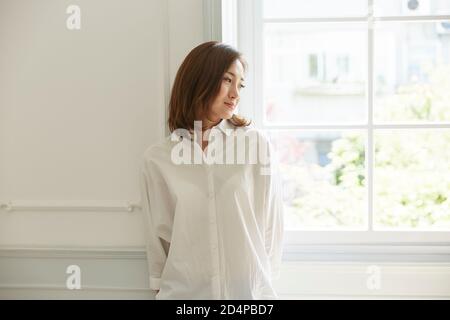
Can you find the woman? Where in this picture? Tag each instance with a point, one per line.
(214, 222)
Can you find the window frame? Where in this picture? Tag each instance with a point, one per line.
(240, 24)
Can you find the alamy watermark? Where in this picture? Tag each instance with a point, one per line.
(74, 280)
(73, 22)
(236, 146)
(373, 281)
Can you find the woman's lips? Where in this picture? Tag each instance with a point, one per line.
(230, 106)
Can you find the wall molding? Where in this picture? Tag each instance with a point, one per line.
(63, 288)
(10, 206)
(121, 272)
(74, 252)
(292, 253)
(212, 20)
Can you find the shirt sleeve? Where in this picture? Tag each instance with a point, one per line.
(156, 210)
(274, 219)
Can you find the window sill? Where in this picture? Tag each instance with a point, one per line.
(367, 253)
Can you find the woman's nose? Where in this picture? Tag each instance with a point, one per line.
(234, 93)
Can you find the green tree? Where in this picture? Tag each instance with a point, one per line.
(411, 168)
(411, 173)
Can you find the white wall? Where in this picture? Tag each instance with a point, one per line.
(78, 109)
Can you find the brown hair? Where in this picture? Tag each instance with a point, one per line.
(198, 82)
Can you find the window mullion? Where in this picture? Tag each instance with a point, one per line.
(370, 149)
(444, 125)
(259, 113)
(319, 20)
(414, 18)
(358, 19)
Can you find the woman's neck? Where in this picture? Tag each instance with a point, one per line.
(208, 123)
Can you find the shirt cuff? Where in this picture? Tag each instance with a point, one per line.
(155, 283)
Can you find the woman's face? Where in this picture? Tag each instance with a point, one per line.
(228, 97)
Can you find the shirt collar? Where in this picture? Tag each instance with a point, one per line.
(224, 126)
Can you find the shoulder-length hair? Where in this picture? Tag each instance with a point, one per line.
(198, 82)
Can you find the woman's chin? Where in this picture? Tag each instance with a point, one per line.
(228, 115)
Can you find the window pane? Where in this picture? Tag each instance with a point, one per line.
(317, 8)
(315, 73)
(411, 7)
(323, 176)
(412, 179)
(412, 72)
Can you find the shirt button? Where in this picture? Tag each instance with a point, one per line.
(211, 195)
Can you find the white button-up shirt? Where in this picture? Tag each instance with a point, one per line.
(214, 230)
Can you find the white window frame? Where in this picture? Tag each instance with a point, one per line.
(239, 23)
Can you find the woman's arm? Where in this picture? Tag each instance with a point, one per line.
(157, 211)
(274, 210)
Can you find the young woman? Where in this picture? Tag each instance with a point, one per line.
(214, 228)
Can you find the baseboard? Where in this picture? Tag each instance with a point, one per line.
(121, 273)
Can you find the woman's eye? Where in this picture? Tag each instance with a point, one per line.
(228, 79)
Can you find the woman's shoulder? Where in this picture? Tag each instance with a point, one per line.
(157, 150)
(252, 131)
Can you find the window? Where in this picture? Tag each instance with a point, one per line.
(355, 95)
